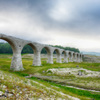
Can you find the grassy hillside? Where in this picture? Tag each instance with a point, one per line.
(38, 83)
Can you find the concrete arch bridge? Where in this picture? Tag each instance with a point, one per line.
(17, 46)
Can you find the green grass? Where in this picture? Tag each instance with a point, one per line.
(72, 90)
(5, 61)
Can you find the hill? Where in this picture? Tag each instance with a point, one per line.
(92, 53)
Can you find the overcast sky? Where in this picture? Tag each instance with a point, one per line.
(74, 23)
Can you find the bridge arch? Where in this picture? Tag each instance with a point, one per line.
(16, 63)
(33, 51)
(74, 57)
(58, 55)
(81, 57)
(13, 46)
(64, 54)
(48, 53)
(77, 57)
(34, 48)
(69, 56)
(18, 44)
(36, 52)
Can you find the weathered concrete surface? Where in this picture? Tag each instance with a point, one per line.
(18, 44)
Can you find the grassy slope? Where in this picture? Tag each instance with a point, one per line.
(5, 61)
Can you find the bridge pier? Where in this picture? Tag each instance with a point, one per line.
(66, 58)
(37, 58)
(75, 57)
(50, 58)
(71, 57)
(78, 58)
(16, 63)
(59, 58)
(81, 58)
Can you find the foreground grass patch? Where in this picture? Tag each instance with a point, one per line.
(78, 92)
(5, 61)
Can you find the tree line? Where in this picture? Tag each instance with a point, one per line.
(5, 48)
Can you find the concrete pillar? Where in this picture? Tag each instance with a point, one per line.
(37, 58)
(16, 64)
(58, 55)
(78, 58)
(66, 58)
(71, 57)
(50, 58)
(59, 59)
(81, 59)
(75, 58)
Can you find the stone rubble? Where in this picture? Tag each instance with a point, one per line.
(78, 72)
(14, 88)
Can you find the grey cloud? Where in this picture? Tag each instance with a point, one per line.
(86, 13)
(84, 20)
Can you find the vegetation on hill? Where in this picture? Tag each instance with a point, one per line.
(67, 48)
(6, 48)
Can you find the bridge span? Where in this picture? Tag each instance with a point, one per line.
(17, 46)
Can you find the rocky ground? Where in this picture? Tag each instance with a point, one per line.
(71, 81)
(91, 58)
(13, 87)
(78, 72)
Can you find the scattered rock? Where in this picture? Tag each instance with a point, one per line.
(77, 66)
(4, 86)
(31, 99)
(79, 73)
(40, 99)
(43, 71)
(9, 95)
(6, 91)
(1, 93)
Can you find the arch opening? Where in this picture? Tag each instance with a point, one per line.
(74, 58)
(6, 53)
(69, 56)
(3, 39)
(28, 55)
(56, 55)
(77, 57)
(45, 55)
(64, 56)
